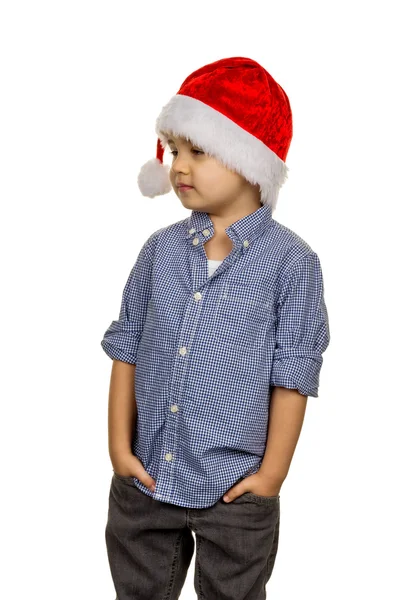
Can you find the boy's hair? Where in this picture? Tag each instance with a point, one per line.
(235, 111)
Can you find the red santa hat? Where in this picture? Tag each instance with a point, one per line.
(236, 112)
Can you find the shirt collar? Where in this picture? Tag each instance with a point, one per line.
(247, 228)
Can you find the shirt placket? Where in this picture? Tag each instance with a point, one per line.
(200, 281)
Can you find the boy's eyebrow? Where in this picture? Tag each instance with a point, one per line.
(169, 141)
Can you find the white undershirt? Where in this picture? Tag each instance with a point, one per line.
(213, 265)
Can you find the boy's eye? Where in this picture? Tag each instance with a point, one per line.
(197, 151)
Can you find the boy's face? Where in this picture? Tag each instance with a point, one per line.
(214, 186)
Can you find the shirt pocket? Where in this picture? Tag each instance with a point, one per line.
(243, 318)
(159, 331)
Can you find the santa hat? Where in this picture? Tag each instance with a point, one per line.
(236, 112)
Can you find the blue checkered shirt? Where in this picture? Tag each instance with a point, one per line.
(208, 349)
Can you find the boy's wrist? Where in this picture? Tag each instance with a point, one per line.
(119, 453)
(272, 478)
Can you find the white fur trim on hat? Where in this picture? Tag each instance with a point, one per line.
(219, 136)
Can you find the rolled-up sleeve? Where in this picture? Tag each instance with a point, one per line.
(121, 339)
(302, 333)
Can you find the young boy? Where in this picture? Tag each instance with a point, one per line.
(218, 345)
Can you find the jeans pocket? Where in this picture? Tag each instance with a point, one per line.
(125, 478)
(262, 499)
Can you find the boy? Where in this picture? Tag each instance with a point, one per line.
(218, 345)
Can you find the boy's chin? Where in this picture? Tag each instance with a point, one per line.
(190, 199)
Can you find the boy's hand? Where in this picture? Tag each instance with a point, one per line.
(257, 483)
(128, 465)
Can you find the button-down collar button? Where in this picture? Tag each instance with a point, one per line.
(206, 231)
(197, 295)
(192, 230)
(168, 456)
(245, 243)
(174, 408)
(182, 350)
(195, 241)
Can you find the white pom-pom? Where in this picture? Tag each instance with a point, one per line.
(153, 179)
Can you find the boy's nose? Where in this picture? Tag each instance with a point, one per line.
(180, 166)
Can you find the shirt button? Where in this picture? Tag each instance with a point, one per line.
(195, 241)
(182, 350)
(168, 456)
(245, 243)
(197, 295)
(192, 230)
(174, 408)
(206, 231)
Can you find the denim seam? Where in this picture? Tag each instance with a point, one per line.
(274, 549)
(173, 567)
(198, 542)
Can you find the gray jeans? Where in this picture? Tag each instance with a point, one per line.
(150, 545)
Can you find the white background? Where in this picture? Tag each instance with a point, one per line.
(81, 86)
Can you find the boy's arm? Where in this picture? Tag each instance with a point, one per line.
(122, 410)
(302, 337)
(121, 342)
(286, 415)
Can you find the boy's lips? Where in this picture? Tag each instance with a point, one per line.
(184, 187)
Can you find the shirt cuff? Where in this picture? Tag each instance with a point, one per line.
(298, 372)
(121, 341)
